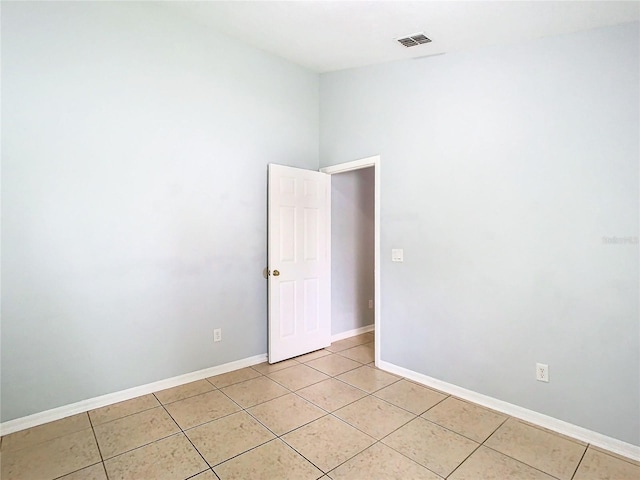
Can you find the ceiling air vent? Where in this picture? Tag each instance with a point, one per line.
(413, 40)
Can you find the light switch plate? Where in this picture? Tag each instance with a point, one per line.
(397, 255)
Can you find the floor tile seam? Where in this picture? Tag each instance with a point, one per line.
(188, 397)
(399, 406)
(37, 444)
(74, 471)
(95, 437)
(464, 460)
(212, 384)
(451, 431)
(349, 425)
(275, 435)
(357, 345)
(300, 453)
(243, 410)
(312, 359)
(268, 375)
(338, 351)
(199, 453)
(180, 432)
(385, 436)
(382, 400)
(460, 433)
(242, 381)
(407, 456)
(415, 382)
(292, 430)
(586, 447)
(578, 465)
(617, 456)
(290, 389)
(128, 414)
(48, 439)
(495, 430)
(522, 461)
(351, 458)
(355, 360)
(352, 339)
(280, 369)
(355, 386)
(377, 389)
(263, 401)
(240, 454)
(370, 446)
(434, 405)
(301, 398)
(330, 374)
(213, 467)
(132, 414)
(377, 439)
(308, 460)
(193, 476)
(360, 344)
(184, 430)
(551, 432)
(309, 401)
(482, 407)
(250, 406)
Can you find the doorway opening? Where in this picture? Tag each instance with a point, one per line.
(359, 304)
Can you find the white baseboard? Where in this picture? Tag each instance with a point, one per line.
(352, 333)
(111, 398)
(594, 438)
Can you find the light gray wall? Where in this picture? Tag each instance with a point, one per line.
(134, 166)
(352, 255)
(502, 170)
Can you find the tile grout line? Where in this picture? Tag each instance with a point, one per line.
(324, 414)
(279, 437)
(579, 462)
(367, 394)
(464, 460)
(339, 419)
(186, 436)
(95, 437)
(520, 461)
(509, 417)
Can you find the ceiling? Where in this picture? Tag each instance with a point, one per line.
(326, 36)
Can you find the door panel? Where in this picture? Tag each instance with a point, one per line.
(299, 285)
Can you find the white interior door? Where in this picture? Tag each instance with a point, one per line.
(299, 258)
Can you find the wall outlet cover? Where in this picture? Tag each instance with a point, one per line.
(542, 372)
(397, 255)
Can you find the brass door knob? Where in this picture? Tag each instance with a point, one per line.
(276, 273)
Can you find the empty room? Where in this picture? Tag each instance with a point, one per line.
(320, 240)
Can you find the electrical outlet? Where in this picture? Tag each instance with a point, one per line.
(370, 303)
(217, 335)
(542, 372)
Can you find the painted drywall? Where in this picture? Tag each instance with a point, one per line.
(505, 173)
(134, 164)
(352, 254)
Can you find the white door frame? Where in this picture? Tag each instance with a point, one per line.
(357, 165)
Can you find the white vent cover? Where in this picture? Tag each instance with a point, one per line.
(414, 39)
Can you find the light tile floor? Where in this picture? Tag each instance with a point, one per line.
(325, 415)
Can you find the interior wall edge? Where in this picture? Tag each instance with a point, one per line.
(565, 428)
(64, 411)
(352, 333)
